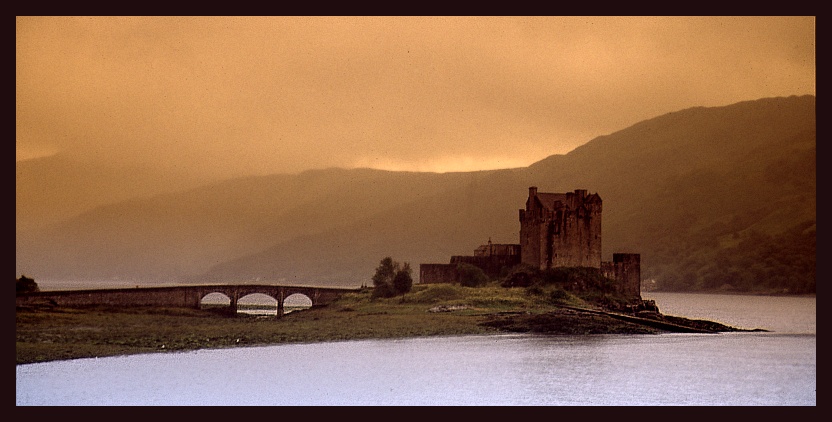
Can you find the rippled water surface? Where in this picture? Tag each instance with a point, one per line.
(773, 368)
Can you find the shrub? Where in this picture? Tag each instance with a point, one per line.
(403, 281)
(384, 290)
(576, 278)
(521, 276)
(471, 275)
(26, 285)
(391, 278)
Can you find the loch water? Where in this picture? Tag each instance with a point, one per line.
(773, 368)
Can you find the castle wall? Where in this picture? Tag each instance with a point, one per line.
(532, 238)
(556, 230)
(492, 266)
(490, 258)
(625, 269)
(628, 273)
(576, 238)
(491, 249)
(438, 273)
(561, 230)
(608, 269)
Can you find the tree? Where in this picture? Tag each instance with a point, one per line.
(383, 278)
(403, 281)
(26, 285)
(391, 278)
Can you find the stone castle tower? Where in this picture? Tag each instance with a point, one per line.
(561, 229)
(556, 230)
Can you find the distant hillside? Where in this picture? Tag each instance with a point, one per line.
(712, 198)
(55, 188)
(179, 235)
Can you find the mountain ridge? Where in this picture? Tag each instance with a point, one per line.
(710, 175)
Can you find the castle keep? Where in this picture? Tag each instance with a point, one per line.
(556, 230)
(561, 230)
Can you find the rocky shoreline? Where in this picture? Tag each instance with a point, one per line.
(575, 321)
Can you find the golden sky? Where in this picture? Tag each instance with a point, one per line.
(230, 96)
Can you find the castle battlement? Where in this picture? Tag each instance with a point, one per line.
(556, 230)
(561, 229)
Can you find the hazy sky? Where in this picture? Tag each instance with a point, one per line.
(258, 95)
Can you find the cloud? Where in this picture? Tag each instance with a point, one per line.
(236, 95)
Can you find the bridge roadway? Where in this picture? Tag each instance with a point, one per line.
(180, 296)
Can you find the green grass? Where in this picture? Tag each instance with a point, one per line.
(45, 334)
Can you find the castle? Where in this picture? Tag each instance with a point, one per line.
(556, 230)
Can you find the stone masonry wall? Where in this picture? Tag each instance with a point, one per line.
(556, 230)
(492, 265)
(625, 269)
(438, 273)
(628, 273)
(561, 230)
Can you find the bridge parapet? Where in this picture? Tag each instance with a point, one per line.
(179, 296)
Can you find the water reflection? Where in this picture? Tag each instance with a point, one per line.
(678, 369)
(775, 368)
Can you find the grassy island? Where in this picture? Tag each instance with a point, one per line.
(46, 333)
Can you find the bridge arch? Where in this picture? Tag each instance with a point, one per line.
(296, 302)
(257, 303)
(214, 300)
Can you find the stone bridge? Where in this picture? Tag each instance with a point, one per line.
(180, 296)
